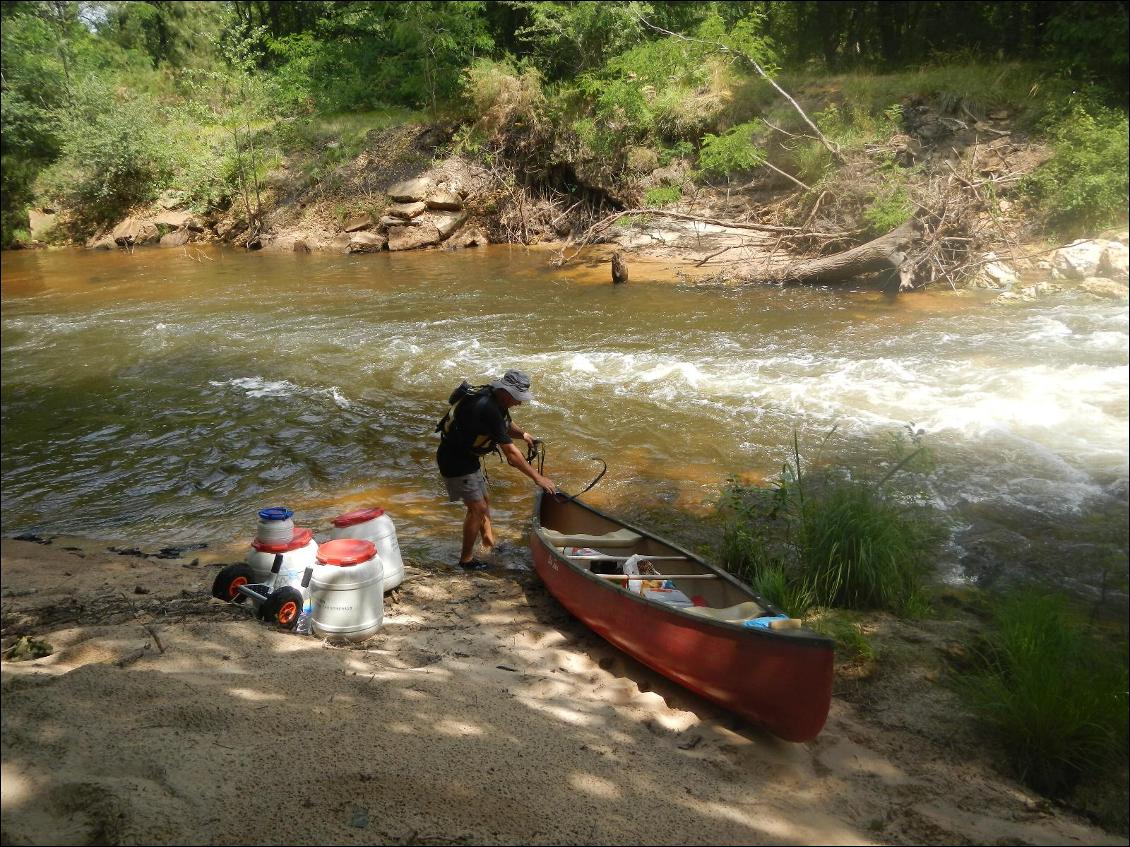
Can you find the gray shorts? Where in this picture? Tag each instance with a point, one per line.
(467, 488)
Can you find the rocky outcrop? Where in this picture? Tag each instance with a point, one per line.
(133, 232)
(1107, 289)
(444, 201)
(1097, 266)
(467, 238)
(229, 228)
(407, 211)
(359, 222)
(178, 220)
(1078, 260)
(102, 242)
(411, 190)
(412, 238)
(423, 211)
(448, 224)
(176, 238)
(366, 242)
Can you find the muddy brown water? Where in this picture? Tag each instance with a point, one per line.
(163, 397)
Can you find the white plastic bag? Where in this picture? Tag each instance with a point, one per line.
(631, 566)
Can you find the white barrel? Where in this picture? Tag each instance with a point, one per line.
(345, 590)
(299, 552)
(275, 525)
(376, 526)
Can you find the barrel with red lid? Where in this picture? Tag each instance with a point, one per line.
(374, 524)
(346, 593)
(299, 553)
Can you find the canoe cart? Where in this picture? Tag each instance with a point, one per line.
(283, 605)
(683, 617)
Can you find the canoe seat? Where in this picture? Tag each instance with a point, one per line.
(741, 612)
(619, 538)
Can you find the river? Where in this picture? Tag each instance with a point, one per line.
(163, 397)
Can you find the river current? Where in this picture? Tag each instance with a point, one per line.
(163, 397)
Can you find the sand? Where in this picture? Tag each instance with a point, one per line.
(481, 713)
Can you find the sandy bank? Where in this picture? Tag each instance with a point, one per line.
(481, 713)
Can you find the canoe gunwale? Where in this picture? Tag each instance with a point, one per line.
(801, 638)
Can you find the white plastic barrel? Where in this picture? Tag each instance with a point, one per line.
(275, 525)
(376, 526)
(345, 590)
(299, 552)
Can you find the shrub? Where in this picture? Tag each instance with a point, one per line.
(1083, 186)
(888, 211)
(662, 195)
(114, 154)
(731, 152)
(1052, 694)
(499, 95)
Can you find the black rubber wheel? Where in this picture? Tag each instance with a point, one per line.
(226, 586)
(282, 607)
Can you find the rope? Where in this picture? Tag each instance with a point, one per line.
(537, 451)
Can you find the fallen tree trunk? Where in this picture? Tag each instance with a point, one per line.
(887, 252)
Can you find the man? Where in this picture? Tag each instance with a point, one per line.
(476, 425)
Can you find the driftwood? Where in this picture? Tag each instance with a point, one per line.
(619, 268)
(885, 253)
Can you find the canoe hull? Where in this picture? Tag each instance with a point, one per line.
(780, 682)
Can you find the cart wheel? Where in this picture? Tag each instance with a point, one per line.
(228, 581)
(282, 607)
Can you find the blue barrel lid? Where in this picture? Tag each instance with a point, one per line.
(278, 513)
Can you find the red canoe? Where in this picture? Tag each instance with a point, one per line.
(691, 621)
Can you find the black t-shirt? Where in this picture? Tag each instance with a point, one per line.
(480, 424)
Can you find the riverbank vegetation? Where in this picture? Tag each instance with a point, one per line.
(840, 547)
(830, 111)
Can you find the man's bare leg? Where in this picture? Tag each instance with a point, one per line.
(487, 531)
(477, 512)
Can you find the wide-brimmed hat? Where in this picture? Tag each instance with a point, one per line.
(516, 384)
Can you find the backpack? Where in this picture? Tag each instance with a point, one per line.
(461, 393)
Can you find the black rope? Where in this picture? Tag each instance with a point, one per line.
(537, 451)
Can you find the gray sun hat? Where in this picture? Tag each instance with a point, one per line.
(516, 384)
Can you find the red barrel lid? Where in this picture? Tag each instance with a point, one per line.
(360, 516)
(344, 552)
(298, 539)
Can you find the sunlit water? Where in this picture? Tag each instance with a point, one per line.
(163, 397)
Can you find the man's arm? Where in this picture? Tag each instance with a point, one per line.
(516, 431)
(517, 460)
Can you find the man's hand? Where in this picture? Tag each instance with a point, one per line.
(529, 439)
(547, 485)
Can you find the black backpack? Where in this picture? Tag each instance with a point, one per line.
(461, 393)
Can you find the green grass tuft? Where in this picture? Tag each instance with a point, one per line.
(830, 539)
(1051, 693)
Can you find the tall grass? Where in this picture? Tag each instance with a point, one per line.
(1052, 693)
(830, 539)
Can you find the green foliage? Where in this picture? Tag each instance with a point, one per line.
(851, 641)
(662, 195)
(679, 150)
(1083, 186)
(663, 94)
(567, 39)
(888, 210)
(827, 539)
(113, 154)
(811, 161)
(501, 94)
(1051, 693)
(340, 57)
(730, 153)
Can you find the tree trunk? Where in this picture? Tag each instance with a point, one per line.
(885, 253)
